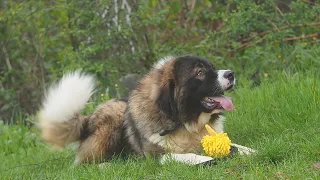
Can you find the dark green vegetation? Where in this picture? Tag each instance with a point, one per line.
(273, 46)
(40, 40)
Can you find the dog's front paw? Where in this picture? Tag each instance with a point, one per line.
(188, 158)
(242, 150)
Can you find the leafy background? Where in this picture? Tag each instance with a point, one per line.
(41, 40)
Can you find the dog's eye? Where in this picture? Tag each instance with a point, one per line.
(200, 73)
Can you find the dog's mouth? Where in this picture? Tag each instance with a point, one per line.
(217, 102)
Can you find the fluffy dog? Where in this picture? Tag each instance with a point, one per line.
(165, 113)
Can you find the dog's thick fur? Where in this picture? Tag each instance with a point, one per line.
(166, 112)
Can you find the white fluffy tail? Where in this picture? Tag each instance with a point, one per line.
(59, 118)
(67, 97)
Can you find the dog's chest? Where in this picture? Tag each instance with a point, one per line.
(187, 139)
(215, 120)
(182, 141)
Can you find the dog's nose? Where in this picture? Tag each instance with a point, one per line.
(229, 75)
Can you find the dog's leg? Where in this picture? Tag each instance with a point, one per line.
(242, 150)
(188, 158)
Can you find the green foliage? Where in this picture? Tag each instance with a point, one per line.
(18, 139)
(41, 40)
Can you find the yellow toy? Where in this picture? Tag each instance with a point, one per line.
(216, 145)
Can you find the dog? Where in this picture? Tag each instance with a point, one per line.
(165, 113)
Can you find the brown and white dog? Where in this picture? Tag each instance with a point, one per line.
(165, 113)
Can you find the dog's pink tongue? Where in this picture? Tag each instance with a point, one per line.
(225, 102)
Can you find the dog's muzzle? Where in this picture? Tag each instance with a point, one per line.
(226, 79)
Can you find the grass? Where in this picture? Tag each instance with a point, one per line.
(279, 118)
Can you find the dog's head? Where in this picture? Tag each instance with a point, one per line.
(194, 86)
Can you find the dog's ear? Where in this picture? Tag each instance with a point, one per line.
(168, 105)
(166, 101)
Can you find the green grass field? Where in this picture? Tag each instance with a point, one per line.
(280, 119)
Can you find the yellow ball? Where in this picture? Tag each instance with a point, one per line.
(216, 145)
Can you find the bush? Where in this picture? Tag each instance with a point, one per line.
(41, 40)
